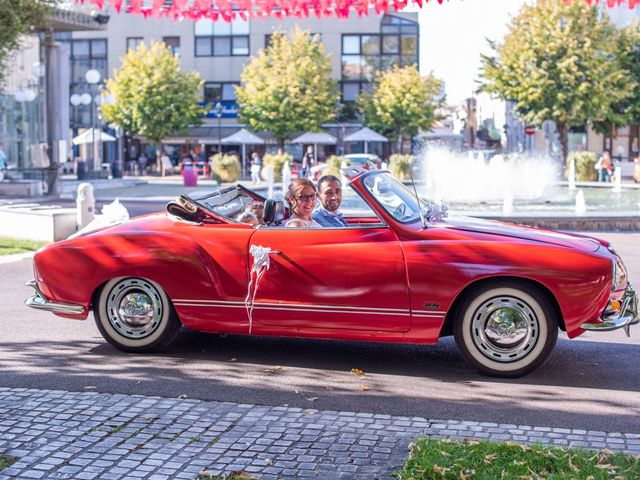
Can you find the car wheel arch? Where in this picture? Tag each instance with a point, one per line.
(454, 310)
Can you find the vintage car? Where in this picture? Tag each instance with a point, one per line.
(402, 271)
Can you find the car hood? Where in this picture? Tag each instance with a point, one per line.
(522, 232)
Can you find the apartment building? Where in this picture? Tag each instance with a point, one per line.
(219, 51)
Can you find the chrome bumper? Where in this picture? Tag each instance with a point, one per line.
(40, 302)
(626, 316)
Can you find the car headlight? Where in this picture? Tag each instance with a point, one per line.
(619, 276)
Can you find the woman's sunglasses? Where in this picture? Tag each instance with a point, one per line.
(306, 198)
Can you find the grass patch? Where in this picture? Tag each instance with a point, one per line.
(232, 476)
(9, 246)
(6, 461)
(470, 459)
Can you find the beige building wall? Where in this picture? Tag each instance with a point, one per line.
(228, 69)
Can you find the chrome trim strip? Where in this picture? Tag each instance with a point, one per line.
(626, 316)
(40, 302)
(231, 303)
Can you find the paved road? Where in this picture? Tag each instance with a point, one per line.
(591, 383)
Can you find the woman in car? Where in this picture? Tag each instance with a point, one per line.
(301, 197)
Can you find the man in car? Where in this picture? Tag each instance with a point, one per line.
(330, 196)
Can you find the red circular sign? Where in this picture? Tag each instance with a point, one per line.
(530, 130)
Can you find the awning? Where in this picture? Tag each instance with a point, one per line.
(87, 137)
(317, 138)
(242, 137)
(365, 134)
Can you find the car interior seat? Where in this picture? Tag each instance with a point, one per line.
(274, 212)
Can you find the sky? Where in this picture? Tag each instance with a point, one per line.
(452, 36)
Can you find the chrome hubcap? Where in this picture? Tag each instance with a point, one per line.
(134, 308)
(505, 329)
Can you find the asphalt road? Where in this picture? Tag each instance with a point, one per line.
(591, 383)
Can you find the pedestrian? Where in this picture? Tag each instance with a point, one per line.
(307, 162)
(604, 167)
(142, 163)
(256, 166)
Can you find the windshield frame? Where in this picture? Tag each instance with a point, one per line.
(419, 202)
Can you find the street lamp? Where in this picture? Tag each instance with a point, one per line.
(93, 77)
(217, 110)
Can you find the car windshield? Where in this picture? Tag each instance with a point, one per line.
(398, 200)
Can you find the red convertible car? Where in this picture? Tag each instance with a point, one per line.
(400, 272)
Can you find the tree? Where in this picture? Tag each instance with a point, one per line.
(153, 97)
(558, 62)
(402, 103)
(288, 87)
(18, 18)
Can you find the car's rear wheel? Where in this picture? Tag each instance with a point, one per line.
(505, 330)
(135, 315)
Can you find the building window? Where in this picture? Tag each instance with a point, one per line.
(221, 39)
(173, 43)
(364, 55)
(225, 94)
(85, 54)
(133, 42)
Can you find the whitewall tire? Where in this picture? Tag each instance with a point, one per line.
(135, 315)
(505, 330)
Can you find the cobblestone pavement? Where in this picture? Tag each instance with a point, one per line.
(69, 435)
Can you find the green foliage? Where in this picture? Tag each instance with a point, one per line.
(277, 162)
(402, 102)
(447, 459)
(584, 163)
(558, 62)
(17, 18)
(226, 167)
(400, 166)
(153, 97)
(334, 164)
(288, 87)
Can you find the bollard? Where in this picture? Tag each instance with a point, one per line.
(85, 205)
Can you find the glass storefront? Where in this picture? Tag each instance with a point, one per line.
(20, 130)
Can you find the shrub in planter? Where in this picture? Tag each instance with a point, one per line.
(400, 166)
(334, 164)
(277, 162)
(226, 167)
(585, 166)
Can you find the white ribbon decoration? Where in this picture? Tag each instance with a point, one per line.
(260, 265)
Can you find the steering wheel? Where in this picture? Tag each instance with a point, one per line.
(400, 211)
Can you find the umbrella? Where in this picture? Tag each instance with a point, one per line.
(316, 138)
(366, 135)
(243, 137)
(87, 137)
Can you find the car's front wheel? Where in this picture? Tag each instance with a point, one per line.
(135, 315)
(505, 330)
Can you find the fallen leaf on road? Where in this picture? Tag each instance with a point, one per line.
(273, 369)
(233, 359)
(89, 387)
(268, 462)
(357, 371)
(364, 388)
(182, 397)
(312, 399)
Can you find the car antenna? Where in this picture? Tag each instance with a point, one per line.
(415, 190)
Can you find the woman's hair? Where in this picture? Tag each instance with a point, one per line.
(247, 217)
(295, 187)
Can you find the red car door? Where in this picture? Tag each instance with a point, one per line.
(344, 278)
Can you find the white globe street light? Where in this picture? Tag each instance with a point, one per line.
(85, 99)
(75, 100)
(92, 76)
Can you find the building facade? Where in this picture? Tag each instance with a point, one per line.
(219, 51)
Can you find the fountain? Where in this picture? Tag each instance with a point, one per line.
(572, 174)
(526, 189)
(581, 204)
(270, 181)
(286, 177)
(617, 180)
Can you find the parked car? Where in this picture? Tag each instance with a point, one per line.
(365, 161)
(403, 271)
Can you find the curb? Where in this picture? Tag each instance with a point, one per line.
(16, 257)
